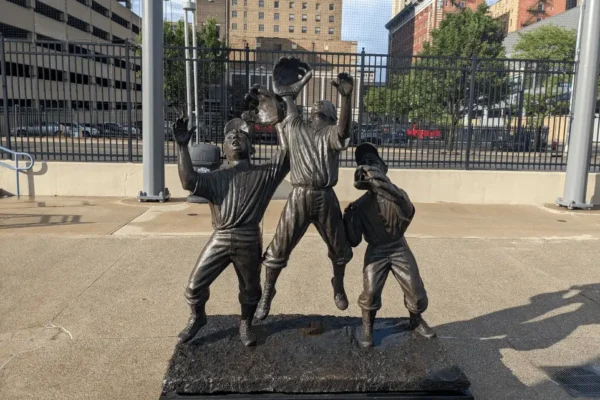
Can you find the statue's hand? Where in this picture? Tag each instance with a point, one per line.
(344, 84)
(290, 74)
(263, 107)
(367, 177)
(181, 131)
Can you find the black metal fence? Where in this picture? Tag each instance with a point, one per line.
(82, 102)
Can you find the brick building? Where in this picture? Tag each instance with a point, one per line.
(412, 26)
(518, 14)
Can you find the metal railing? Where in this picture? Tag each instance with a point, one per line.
(16, 167)
(82, 102)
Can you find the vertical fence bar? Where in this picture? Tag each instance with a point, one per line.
(247, 53)
(128, 93)
(361, 103)
(4, 92)
(470, 112)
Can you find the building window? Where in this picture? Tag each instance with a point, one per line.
(317, 30)
(571, 4)
(304, 5)
(135, 29)
(275, 4)
(304, 17)
(13, 32)
(245, 26)
(120, 20)
(102, 82)
(245, 14)
(48, 43)
(79, 78)
(317, 18)
(234, 2)
(331, 18)
(84, 2)
(275, 28)
(261, 28)
(292, 17)
(22, 3)
(234, 26)
(540, 7)
(20, 70)
(303, 29)
(331, 6)
(49, 74)
(276, 16)
(103, 105)
(245, 3)
(78, 24)
(99, 33)
(261, 15)
(291, 30)
(234, 14)
(50, 12)
(99, 8)
(331, 31)
(318, 6)
(261, 3)
(291, 4)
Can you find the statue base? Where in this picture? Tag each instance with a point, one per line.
(312, 357)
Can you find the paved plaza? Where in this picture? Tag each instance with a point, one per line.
(91, 292)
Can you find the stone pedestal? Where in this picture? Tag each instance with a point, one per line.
(312, 357)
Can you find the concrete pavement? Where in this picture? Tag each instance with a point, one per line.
(91, 292)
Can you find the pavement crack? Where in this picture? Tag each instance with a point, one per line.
(17, 354)
(60, 328)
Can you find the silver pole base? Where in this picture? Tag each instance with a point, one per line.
(571, 205)
(160, 197)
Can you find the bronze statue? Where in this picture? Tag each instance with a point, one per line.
(382, 215)
(238, 197)
(314, 148)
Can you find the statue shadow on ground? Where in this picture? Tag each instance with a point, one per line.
(546, 320)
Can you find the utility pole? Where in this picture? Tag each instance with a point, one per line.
(583, 117)
(153, 113)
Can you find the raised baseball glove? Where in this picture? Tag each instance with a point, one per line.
(263, 107)
(290, 74)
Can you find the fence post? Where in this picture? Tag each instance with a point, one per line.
(4, 91)
(470, 112)
(128, 85)
(247, 51)
(359, 93)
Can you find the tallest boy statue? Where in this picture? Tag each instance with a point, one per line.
(314, 148)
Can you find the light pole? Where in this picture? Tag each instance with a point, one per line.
(191, 6)
(153, 105)
(583, 116)
(188, 6)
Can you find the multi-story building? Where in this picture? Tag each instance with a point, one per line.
(517, 14)
(68, 57)
(411, 27)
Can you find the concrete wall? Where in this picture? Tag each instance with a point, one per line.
(423, 186)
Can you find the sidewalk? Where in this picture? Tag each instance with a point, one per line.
(92, 289)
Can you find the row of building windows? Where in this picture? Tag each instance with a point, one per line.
(75, 104)
(292, 17)
(292, 4)
(58, 15)
(291, 28)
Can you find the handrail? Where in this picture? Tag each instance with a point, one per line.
(16, 167)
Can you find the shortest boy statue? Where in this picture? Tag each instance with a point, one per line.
(382, 215)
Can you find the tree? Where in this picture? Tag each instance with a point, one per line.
(547, 43)
(547, 78)
(212, 58)
(436, 87)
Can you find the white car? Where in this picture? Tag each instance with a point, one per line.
(76, 130)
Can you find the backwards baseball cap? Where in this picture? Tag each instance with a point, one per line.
(237, 124)
(364, 149)
(326, 108)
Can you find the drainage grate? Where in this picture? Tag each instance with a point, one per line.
(581, 381)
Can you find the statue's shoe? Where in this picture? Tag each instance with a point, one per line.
(194, 324)
(264, 305)
(339, 295)
(247, 335)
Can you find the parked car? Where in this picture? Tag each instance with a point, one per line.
(421, 133)
(111, 129)
(40, 129)
(264, 134)
(523, 140)
(394, 138)
(370, 133)
(94, 129)
(73, 129)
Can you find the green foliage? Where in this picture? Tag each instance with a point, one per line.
(547, 43)
(436, 89)
(211, 54)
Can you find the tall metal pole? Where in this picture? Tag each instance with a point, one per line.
(188, 65)
(572, 97)
(153, 113)
(4, 72)
(192, 7)
(583, 117)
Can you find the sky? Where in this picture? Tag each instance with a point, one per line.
(363, 21)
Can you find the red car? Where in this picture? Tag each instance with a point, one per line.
(423, 133)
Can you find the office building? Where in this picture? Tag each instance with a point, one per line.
(517, 14)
